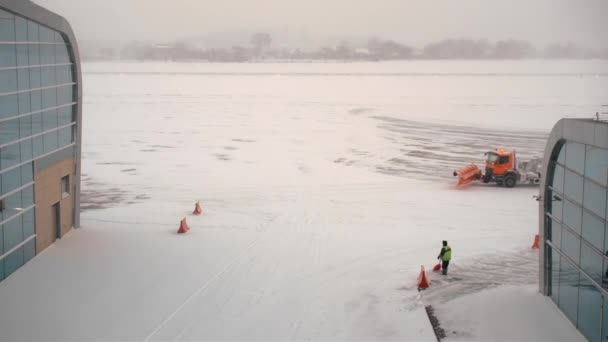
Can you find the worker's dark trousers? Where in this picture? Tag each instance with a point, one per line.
(444, 267)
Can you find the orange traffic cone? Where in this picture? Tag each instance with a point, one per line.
(183, 227)
(197, 209)
(423, 282)
(535, 244)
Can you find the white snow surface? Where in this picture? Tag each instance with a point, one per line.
(497, 315)
(322, 196)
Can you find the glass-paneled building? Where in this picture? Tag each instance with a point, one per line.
(574, 230)
(40, 116)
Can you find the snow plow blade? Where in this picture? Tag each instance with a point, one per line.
(468, 174)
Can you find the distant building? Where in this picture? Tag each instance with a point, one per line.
(40, 131)
(574, 230)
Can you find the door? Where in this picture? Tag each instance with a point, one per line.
(56, 220)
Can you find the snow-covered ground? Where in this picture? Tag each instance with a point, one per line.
(322, 192)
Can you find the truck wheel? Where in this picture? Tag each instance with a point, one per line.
(486, 179)
(509, 181)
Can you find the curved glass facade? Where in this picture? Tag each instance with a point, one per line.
(37, 119)
(576, 235)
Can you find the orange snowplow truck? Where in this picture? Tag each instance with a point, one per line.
(502, 168)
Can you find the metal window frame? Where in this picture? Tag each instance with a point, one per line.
(19, 116)
(33, 66)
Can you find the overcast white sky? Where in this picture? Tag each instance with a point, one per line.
(414, 22)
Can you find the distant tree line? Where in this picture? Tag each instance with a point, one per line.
(260, 48)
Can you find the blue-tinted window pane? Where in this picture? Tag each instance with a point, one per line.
(36, 99)
(571, 245)
(556, 233)
(28, 224)
(606, 246)
(65, 136)
(32, 32)
(47, 35)
(49, 119)
(9, 131)
(10, 155)
(573, 186)
(13, 261)
(605, 330)
(6, 15)
(38, 148)
(27, 173)
(58, 38)
(11, 180)
(21, 29)
(1, 247)
(605, 318)
(13, 233)
(7, 30)
(557, 206)
(595, 198)
(27, 198)
(23, 79)
(572, 216)
(12, 206)
(47, 54)
(561, 157)
(64, 95)
(25, 126)
(48, 76)
(568, 290)
(34, 54)
(29, 250)
(25, 103)
(9, 105)
(554, 275)
(589, 310)
(50, 142)
(596, 167)
(22, 55)
(592, 262)
(36, 123)
(593, 230)
(8, 80)
(49, 98)
(8, 55)
(61, 53)
(26, 150)
(65, 115)
(35, 78)
(575, 157)
(64, 74)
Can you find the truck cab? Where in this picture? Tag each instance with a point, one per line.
(500, 167)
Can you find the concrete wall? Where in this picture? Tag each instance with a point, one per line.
(48, 192)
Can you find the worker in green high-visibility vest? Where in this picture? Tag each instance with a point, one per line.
(445, 255)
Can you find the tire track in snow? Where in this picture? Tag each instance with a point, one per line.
(429, 150)
(238, 260)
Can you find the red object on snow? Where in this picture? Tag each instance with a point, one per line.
(437, 268)
(197, 209)
(535, 244)
(468, 174)
(423, 282)
(183, 227)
